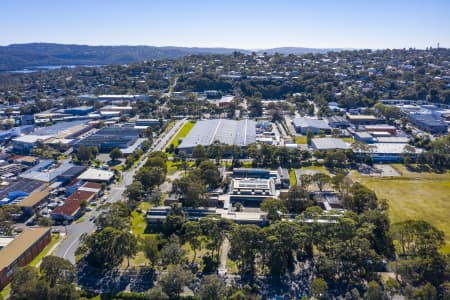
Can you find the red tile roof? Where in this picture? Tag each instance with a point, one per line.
(73, 182)
(72, 203)
(92, 185)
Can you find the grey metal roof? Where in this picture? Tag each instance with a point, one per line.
(427, 119)
(48, 174)
(307, 122)
(230, 132)
(58, 127)
(329, 143)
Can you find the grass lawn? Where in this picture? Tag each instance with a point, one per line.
(317, 168)
(119, 167)
(348, 140)
(200, 252)
(45, 251)
(292, 177)
(138, 260)
(182, 133)
(300, 139)
(232, 267)
(172, 167)
(5, 291)
(82, 219)
(247, 164)
(138, 222)
(423, 196)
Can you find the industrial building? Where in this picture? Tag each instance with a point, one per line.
(96, 175)
(34, 200)
(148, 122)
(79, 111)
(363, 136)
(251, 191)
(71, 209)
(329, 144)
(13, 190)
(359, 120)
(24, 144)
(338, 122)
(205, 132)
(389, 152)
(109, 138)
(64, 132)
(303, 125)
(116, 109)
(381, 128)
(47, 171)
(429, 123)
(123, 97)
(21, 250)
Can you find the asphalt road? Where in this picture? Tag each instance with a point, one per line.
(74, 231)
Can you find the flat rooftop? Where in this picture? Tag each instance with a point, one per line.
(361, 117)
(31, 138)
(34, 198)
(230, 132)
(47, 174)
(393, 139)
(329, 144)
(19, 184)
(308, 122)
(252, 184)
(96, 175)
(60, 128)
(5, 240)
(21, 244)
(390, 148)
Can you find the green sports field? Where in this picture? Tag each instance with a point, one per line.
(414, 195)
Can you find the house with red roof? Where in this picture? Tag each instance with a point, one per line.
(72, 208)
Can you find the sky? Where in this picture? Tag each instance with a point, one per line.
(244, 24)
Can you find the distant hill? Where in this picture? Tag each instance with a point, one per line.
(297, 50)
(20, 56)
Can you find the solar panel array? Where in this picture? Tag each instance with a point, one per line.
(230, 132)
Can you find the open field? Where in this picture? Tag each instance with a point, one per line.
(182, 133)
(138, 221)
(424, 196)
(314, 169)
(300, 139)
(292, 177)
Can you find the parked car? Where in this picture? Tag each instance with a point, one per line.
(17, 229)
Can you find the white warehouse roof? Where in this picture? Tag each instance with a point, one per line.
(230, 132)
(329, 144)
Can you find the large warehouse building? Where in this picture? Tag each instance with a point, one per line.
(18, 251)
(302, 125)
(240, 133)
(429, 123)
(109, 138)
